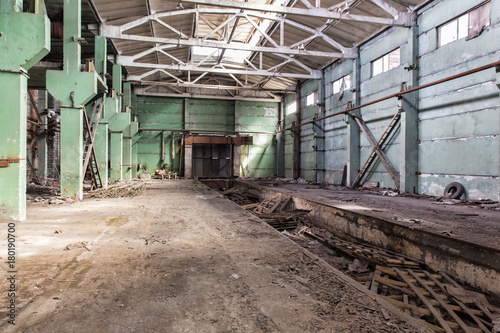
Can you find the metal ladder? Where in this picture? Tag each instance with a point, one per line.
(377, 149)
(90, 159)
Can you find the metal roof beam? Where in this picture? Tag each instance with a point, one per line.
(114, 32)
(402, 19)
(388, 8)
(129, 62)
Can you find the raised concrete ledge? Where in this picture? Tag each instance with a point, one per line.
(475, 264)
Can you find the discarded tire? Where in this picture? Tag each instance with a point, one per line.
(454, 191)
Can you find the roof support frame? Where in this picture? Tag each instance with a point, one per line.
(402, 19)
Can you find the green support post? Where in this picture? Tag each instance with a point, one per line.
(24, 40)
(102, 151)
(73, 89)
(116, 170)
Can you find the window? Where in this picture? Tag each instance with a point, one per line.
(456, 29)
(311, 98)
(291, 108)
(468, 25)
(342, 84)
(386, 62)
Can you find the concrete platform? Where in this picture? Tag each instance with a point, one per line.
(460, 240)
(179, 258)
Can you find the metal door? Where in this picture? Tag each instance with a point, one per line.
(212, 160)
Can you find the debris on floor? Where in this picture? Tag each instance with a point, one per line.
(435, 299)
(165, 174)
(119, 189)
(276, 211)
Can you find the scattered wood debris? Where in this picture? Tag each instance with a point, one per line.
(118, 190)
(435, 299)
(165, 174)
(276, 211)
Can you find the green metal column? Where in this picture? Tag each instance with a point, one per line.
(24, 40)
(74, 89)
(116, 156)
(42, 137)
(409, 121)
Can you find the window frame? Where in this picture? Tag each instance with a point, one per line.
(287, 112)
(315, 99)
(385, 62)
(339, 83)
(469, 33)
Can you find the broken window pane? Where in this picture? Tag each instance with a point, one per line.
(479, 18)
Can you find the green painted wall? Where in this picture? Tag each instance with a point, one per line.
(210, 115)
(458, 121)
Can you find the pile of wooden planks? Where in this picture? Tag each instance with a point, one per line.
(118, 190)
(276, 211)
(436, 299)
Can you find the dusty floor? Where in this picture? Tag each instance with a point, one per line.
(467, 222)
(179, 258)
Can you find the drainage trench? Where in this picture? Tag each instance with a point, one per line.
(451, 285)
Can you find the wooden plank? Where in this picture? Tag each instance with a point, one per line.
(413, 308)
(443, 304)
(433, 310)
(472, 313)
(250, 206)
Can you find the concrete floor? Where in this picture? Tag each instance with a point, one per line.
(179, 258)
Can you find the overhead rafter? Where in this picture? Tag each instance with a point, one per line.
(401, 19)
(115, 32)
(129, 62)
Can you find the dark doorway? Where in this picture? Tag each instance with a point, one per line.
(212, 160)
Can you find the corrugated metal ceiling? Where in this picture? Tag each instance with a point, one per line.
(241, 29)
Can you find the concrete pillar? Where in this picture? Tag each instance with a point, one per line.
(24, 40)
(353, 131)
(13, 146)
(127, 159)
(296, 137)
(118, 84)
(74, 89)
(188, 161)
(135, 160)
(408, 106)
(116, 156)
(72, 152)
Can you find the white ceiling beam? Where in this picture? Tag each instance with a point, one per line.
(129, 62)
(142, 91)
(169, 27)
(388, 8)
(222, 25)
(403, 19)
(113, 32)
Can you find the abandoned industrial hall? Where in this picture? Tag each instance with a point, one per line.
(250, 166)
